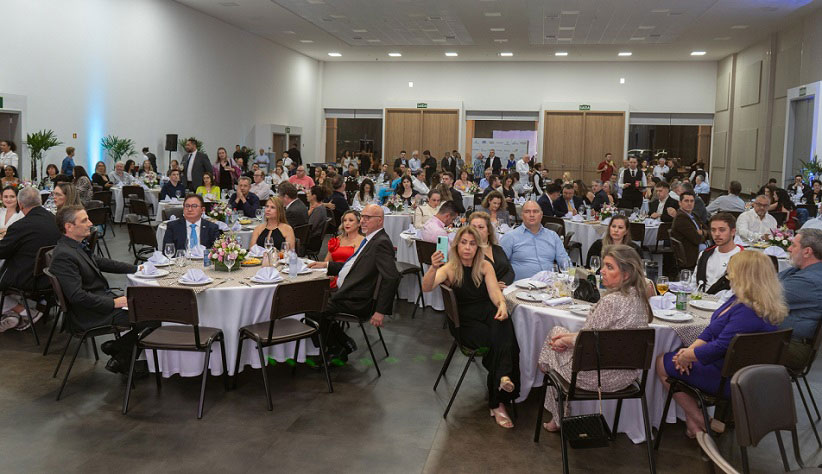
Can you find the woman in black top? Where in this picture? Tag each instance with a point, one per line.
(274, 225)
(100, 178)
(508, 188)
(618, 233)
(405, 190)
(481, 221)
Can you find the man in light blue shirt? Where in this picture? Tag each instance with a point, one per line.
(486, 181)
(262, 160)
(530, 247)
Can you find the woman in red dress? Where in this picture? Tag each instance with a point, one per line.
(343, 247)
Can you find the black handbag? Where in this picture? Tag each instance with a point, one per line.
(588, 431)
(586, 291)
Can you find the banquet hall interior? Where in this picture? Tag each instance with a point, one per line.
(515, 126)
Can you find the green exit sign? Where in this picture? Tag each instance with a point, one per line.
(1, 101)
(422, 105)
(287, 129)
(584, 107)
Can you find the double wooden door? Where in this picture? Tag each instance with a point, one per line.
(436, 130)
(577, 141)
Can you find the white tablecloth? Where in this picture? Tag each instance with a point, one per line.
(152, 199)
(532, 324)
(243, 235)
(586, 234)
(394, 224)
(227, 308)
(409, 287)
(468, 200)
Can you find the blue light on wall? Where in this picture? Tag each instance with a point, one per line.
(95, 125)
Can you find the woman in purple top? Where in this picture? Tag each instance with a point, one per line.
(757, 306)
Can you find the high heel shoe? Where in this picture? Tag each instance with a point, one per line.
(502, 419)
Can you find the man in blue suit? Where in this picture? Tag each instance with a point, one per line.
(192, 230)
(547, 202)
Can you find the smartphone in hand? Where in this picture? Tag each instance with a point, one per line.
(442, 246)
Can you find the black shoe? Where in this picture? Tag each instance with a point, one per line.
(350, 346)
(108, 348)
(114, 366)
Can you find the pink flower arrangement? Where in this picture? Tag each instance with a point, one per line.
(226, 245)
(781, 237)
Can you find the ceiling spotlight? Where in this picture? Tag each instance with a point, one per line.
(739, 27)
(622, 80)
(697, 53)
(410, 83)
(506, 54)
(625, 53)
(334, 54)
(360, 30)
(492, 14)
(395, 55)
(306, 41)
(497, 30)
(561, 53)
(451, 54)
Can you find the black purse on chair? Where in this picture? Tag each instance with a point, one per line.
(588, 431)
(586, 291)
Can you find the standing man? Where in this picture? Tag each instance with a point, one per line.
(365, 164)
(192, 230)
(151, 157)
(195, 164)
(493, 162)
(67, 168)
(262, 160)
(523, 165)
(402, 160)
(712, 263)
(632, 181)
(532, 248)
(238, 153)
(687, 228)
(429, 164)
(294, 153)
(606, 167)
(449, 164)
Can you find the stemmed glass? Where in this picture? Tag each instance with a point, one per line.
(179, 194)
(259, 214)
(595, 262)
(180, 259)
(169, 250)
(662, 285)
(685, 276)
(229, 260)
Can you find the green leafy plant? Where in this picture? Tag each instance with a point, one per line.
(117, 147)
(811, 169)
(39, 143)
(182, 143)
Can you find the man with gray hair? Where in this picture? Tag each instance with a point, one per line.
(244, 200)
(19, 248)
(801, 288)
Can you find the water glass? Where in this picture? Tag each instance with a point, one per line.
(178, 193)
(259, 214)
(169, 250)
(180, 259)
(229, 260)
(595, 262)
(685, 276)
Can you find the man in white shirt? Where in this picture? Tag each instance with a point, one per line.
(753, 224)
(260, 187)
(414, 163)
(712, 263)
(262, 160)
(816, 222)
(418, 185)
(523, 166)
(730, 202)
(660, 169)
(633, 183)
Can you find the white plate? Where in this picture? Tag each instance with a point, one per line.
(531, 284)
(266, 282)
(182, 282)
(706, 305)
(672, 315)
(284, 261)
(167, 264)
(580, 309)
(529, 297)
(160, 273)
(305, 271)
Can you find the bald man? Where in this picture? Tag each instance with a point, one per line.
(532, 248)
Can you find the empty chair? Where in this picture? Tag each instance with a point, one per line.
(129, 193)
(98, 217)
(141, 210)
(142, 235)
(172, 211)
(34, 294)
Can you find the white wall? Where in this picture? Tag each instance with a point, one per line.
(143, 68)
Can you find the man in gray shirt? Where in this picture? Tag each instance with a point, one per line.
(801, 288)
(728, 202)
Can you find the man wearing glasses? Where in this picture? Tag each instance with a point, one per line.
(754, 223)
(356, 279)
(192, 230)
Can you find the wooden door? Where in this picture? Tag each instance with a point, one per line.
(278, 145)
(440, 130)
(562, 145)
(604, 133)
(403, 131)
(330, 140)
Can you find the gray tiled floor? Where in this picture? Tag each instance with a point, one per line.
(369, 424)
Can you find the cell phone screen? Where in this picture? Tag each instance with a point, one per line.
(442, 246)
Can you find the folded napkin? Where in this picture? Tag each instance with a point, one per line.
(651, 222)
(222, 225)
(557, 301)
(236, 226)
(158, 258)
(633, 216)
(578, 218)
(666, 301)
(503, 228)
(606, 221)
(385, 210)
(172, 200)
(411, 229)
(149, 268)
(195, 275)
(267, 274)
(544, 276)
(294, 270)
(568, 215)
(675, 286)
(198, 251)
(775, 251)
(172, 218)
(256, 251)
(724, 295)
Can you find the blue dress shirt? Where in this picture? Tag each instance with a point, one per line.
(531, 253)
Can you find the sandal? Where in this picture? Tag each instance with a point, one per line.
(506, 385)
(550, 427)
(502, 419)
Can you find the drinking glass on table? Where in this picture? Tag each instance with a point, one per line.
(595, 262)
(169, 250)
(259, 214)
(179, 194)
(229, 260)
(180, 259)
(284, 250)
(269, 244)
(685, 276)
(662, 285)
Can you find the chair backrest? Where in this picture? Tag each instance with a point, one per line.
(103, 196)
(553, 219)
(97, 215)
(623, 349)
(93, 204)
(139, 207)
(424, 251)
(58, 290)
(758, 411)
(679, 252)
(706, 197)
(315, 242)
(172, 211)
(706, 442)
(779, 216)
(477, 199)
(775, 262)
(449, 300)
(637, 231)
(132, 192)
(141, 234)
(663, 233)
(298, 297)
(47, 257)
(92, 239)
(755, 348)
(162, 304)
(44, 198)
(301, 233)
(41, 261)
(559, 229)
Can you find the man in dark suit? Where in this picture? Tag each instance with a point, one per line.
(195, 164)
(447, 179)
(151, 157)
(547, 202)
(365, 164)
(192, 229)
(448, 163)
(663, 207)
(568, 203)
(600, 196)
(687, 228)
(295, 154)
(19, 249)
(402, 160)
(296, 213)
(356, 279)
(493, 162)
(90, 301)
(429, 164)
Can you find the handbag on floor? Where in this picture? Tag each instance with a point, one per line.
(588, 431)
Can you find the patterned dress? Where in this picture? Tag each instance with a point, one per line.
(614, 311)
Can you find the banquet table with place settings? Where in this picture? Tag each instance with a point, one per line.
(152, 199)
(230, 302)
(244, 234)
(395, 223)
(533, 322)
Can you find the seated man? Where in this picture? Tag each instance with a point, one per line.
(663, 207)
(19, 250)
(120, 177)
(687, 228)
(260, 188)
(296, 213)
(568, 203)
(600, 196)
(337, 202)
(800, 285)
(356, 279)
(436, 226)
(173, 186)
(493, 185)
(192, 229)
(91, 303)
(547, 202)
(244, 200)
(486, 181)
(447, 179)
(712, 263)
(532, 248)
(730, 202)
(755, 223)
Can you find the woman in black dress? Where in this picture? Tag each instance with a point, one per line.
(405, 190)
(484, 321)
(274, 225)
(492, 251)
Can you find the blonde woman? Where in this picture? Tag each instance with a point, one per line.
(483, 316)
(341, 248)
(425, 212)
(624, 306)
(65, 194)
(491, 249)
(274, 226)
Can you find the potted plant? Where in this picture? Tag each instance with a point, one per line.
(117, 147)
(39, 143)
(182, 143)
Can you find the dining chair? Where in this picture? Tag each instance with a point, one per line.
(301, 233)
(679, 253)
(34, 293)
(424, 251)
(105, 198)
(140, 209)
(315, 243)
(98, 217)
(289, 299)
(779, 216)
(354, 319)
(129, 193)
(802, 374)
(172, 211)
(144, 235)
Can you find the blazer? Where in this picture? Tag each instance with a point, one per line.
(456, 197)
(296, 214)
(495, 165)
(249, 207)
(400, 161)
(177, 233)
(561, 207)
(547, 206)
(20, 245)
(357, 291)
(669, 203)
(200, 164)
(446, 166)
(684, 230)
(86, 290)
(600, 199)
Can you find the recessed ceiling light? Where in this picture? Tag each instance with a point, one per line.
(395, 55)
(564, 39)
(501, 40)
(567, 28)
(660, 10)
(570, 12)
(506, 54)
(430, 30)
(357, 38)
(622, 80)
(497, 30)
(288, 32)
(697, 53)
(316, 2)
(451, 54)
(739, 27)
(360, 31)
(410, 83)
(625, 53)
(230, 4)
(438, 40)
(722, 38)
(373, 40)
(561, 53)
(306, 41)
(637, 38)
(491, 14)
(337, 17)
(645, 27)
(334, 55)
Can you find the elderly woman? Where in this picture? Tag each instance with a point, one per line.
(624, 306)
(48, 180)
(425, 212)
(493, 205)
(758, 305)
(493, 252)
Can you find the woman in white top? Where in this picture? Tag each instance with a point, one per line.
(278, 176)
(365, 196)
(10, 212)
(425, 212)
(7, 155)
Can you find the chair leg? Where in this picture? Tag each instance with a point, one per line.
(225, 364)
(664, 417)
(648, 435)
(420, 297)
(31, 320)
(745, 468)
(158, 376)
(540, 410)
(616, 420)
(382, 340)
(263, 366)
(130, 382)
(782, 450)
(705, 417)
(457, 388)
(796, 453)
(563, 439)
(810, 395)
(94, 348)
(207, 358)
(105, 246)
(325, 363)
(237, 363)
(296, 353)
(62, 356)
(446, 363)
(807, 410)
(371, 350)
(51, 333)
(68, 369)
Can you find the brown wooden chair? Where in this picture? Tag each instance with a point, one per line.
(173, 305)
(145, 236)
(301, 233)
(129, 193)
(619, 349)
(354, 319)
(308, 296)
(98, 217)
(34, 294)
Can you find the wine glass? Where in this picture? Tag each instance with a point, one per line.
(685, 276)
(573, 284)
(178, 193)
(269, 243)
(180, 259)
(284, 250)
(595, 262)
(259, 214)
(229, 260)
(662, 285)
(169, 250)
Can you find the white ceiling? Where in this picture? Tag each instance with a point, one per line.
(533, 30)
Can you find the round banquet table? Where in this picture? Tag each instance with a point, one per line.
(152, 199)
(409, 287)
(229, 306)
(533, 322)
(244, 234)
(394, 224)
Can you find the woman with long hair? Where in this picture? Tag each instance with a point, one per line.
(100, 178)
(10, 212)
(609, 191)
(226, 171)
(65, 194)
(405, 190)
(463, 183)
(366, 195)
(508, 190)
(274, 226)
(209, 190)
(483, 316)
(131, 168)
(491, 248)
(618, 233)
(147, 171)
(623, 306)
(784, 204)
(492, 204)
(349, 238)
(581, 191)
(757, 305)
(317, 213)
(83, 184)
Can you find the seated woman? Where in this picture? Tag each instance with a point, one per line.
(343, 247)
(624, 306)
(65, 194)
(173, 165)
(317, 213)
(758, 305)
(463, 183)
(100, 178)
(8, 178)
(508, 190)
(784, 204)
(48, 181)
(209, 190)
(426, 211)
(274, 226)
(483, 316)
(365, 195)
(10, 212)
(581, 191)
(493, 205)
(617, 234)
(83, 185)
(503, 270)
(608, 187)
(147, 171)
(405, 190)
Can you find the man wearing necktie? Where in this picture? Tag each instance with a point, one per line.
(195, 164)
(632, 181)
(192, 230)
(687, 228)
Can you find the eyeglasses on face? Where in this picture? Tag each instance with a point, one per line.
(192, 206)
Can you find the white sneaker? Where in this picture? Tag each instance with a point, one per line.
(9, 321)
(24, 321)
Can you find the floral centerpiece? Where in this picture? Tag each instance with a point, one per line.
(781, 237)
(220, 212)
(394, 203)
(607, 211)
(151, 180)
(227, 244)
(472, 189)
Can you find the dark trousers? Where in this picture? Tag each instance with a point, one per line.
(631, 198)
(125, 343)
(333, 335)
